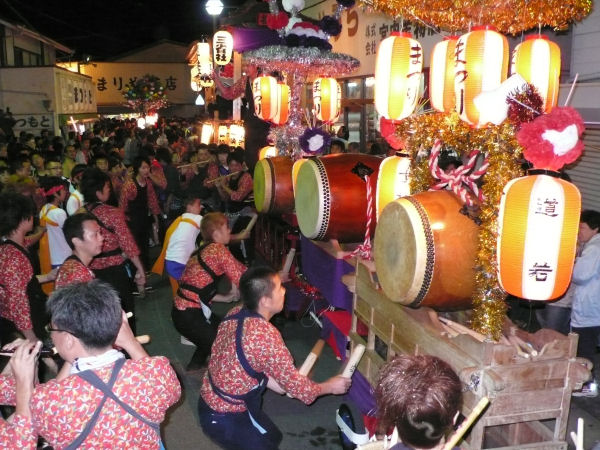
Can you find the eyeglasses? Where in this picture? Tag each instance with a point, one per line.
(49, 329)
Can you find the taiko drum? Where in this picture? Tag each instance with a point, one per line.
(273, 193)
(331, 201)
(425, 251)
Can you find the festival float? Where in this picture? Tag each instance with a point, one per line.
(448, 245)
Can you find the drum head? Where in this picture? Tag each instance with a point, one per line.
(262, 185)
(310, 194)
(399, 252)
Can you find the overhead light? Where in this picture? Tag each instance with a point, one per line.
(199, 100)
(214, 7)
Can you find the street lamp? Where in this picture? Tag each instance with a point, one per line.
(214, 7)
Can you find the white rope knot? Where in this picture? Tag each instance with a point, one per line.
(459, 179)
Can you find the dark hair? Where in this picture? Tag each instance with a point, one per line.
(420, 395)
(90, 311)
(210, 223)
(47, 183)
(92, 181)
(235, 156)
(18, 162)
(14, 209)
(591, 218)
(255, 283)
(163, 155)
(339, 143)
(223, 148)
(77, 169)
(73, 227)
(137, 163)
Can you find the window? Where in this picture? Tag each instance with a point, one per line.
(26, 58)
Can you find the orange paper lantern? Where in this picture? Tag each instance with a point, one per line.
(481, 64)
(398, 72)
(537, 236)
(441, 75)
(327, 99)
(283, 105)
(269, 151)
(223, 134)
(537, 60)
(222, 47)
(264, 92)
(393, 180)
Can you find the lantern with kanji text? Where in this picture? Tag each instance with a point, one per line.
(283, 105)
(327, 99)
(481, 64)
(398, 71)
(393, 180)
(268, 151)
(222, 47)
(537, 235)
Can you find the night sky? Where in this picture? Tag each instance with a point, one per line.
(107, 28)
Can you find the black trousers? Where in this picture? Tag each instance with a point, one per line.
(586, 346)
(192, 325)
(118, 278)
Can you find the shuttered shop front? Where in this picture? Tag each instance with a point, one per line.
(585, 173)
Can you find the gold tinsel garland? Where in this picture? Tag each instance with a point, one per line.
(508, 16)
(419, 134)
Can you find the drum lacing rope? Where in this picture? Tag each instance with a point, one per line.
(364, 249)
(456, 179)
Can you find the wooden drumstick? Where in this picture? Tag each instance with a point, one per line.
(251, 223)
(289, 259)
(142, 339)
(353, 361)
(310, 360)
(462, 429)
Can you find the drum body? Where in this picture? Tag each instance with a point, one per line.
(425, 251)
(331, 201)
(273, 193)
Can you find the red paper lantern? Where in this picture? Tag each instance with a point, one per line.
(537, 60)
(481, 64)
(537, 226)
(441, 75)
(393, 180)
(398, 71)
(327, 99)
(283, 105)
(264, 91)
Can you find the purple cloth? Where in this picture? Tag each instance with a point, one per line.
(245, 39)
(334, 336)
(361, 394)
(324, 272)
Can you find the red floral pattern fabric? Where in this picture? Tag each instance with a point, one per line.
(129, 192)
(245, 186)
(61, 409)
(266, 352)
(19, 433)
(14, 276)
(220, 260)
(114, 218)
(72, 271)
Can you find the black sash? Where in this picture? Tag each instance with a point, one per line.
(115, 251)
(206, 293)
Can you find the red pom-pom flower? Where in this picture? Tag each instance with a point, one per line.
(552, 140)
(388, 132)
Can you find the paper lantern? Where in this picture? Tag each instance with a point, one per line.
(481, 64)
(537, 226)
(264, 92)
(327, 99)
(393, 180)
(268, 151)
(206, 133)
(441, 75)
(537, 59)
(283, 105)
(237, 135)
(222, 47)
(203, 52)
(223, 134)
(398, 71)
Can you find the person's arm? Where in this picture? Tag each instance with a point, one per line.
(587, 266)
(23, 363)
(152, 200)
(34, 237)
(128, 192)
(127, 341)
(245, 186)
